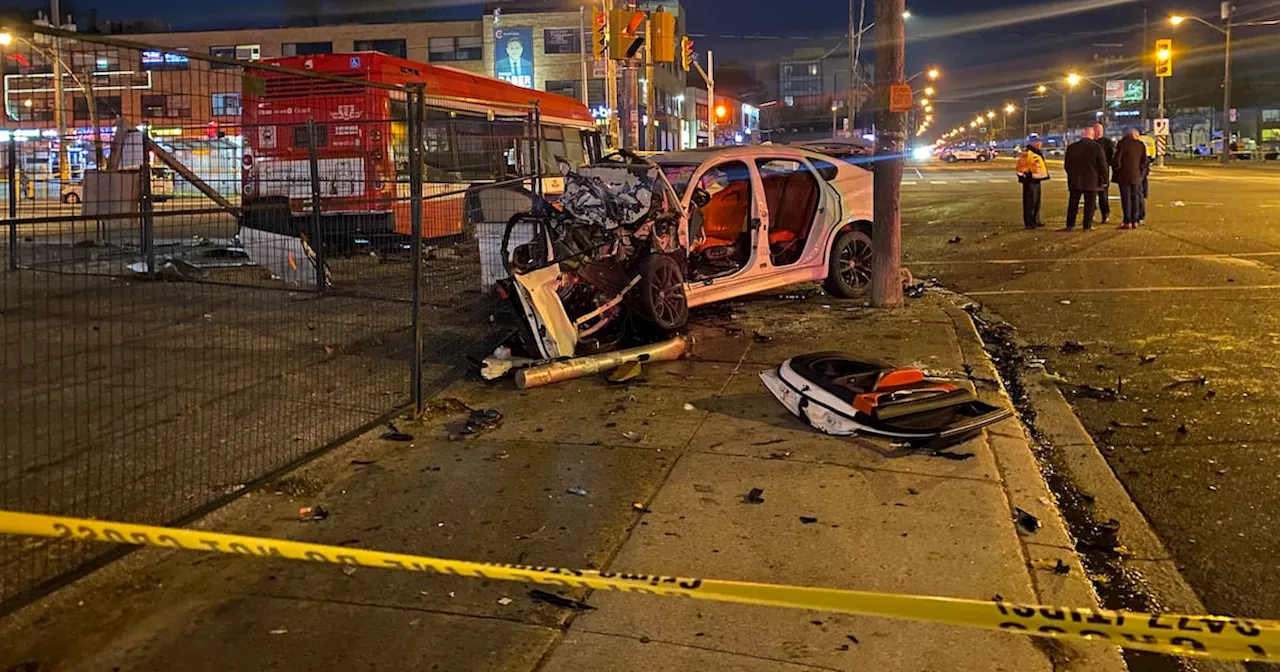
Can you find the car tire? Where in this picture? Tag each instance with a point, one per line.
(71, 199)
(849, 268)
(951, 158)
(660, 297)
(982, 158)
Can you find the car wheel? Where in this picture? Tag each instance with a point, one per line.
(849, 271)
(71, 198)
(951, 158)
(982, 158)
(660, 294)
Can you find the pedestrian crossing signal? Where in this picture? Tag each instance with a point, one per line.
(625, 36)
(662, 30)
(600, 34)
(686, 53)
(1164, 58)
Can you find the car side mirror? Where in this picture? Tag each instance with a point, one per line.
(700, 197)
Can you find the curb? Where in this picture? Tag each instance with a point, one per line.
(1060, 437)
(1026, 488)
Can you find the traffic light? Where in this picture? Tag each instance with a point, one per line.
(600, 35)
(625, 36)
(686, 53)
(662, 29)
(1164, 58)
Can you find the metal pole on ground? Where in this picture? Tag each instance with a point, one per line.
(317, 240)
(886, 237)
(144, 204)
(1161, 145)
(417, 112)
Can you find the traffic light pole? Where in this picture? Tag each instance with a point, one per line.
(1160, 146)
(886, 236)
(1226, 84)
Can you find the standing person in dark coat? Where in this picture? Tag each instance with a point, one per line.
(1130, 164)
(1109, 150)
(1086, 167)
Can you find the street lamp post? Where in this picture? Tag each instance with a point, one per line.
(1227, 11)
(1004, 120)
(834, 109)
(1041, 89)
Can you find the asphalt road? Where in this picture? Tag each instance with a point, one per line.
(1195, 292)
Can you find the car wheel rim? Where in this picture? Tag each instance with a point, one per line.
(668, 300)
(855, 263)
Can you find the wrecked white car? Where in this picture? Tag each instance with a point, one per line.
(635, 242)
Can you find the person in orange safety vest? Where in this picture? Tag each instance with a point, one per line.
(1031, 172)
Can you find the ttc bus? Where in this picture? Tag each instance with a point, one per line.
(476, 130)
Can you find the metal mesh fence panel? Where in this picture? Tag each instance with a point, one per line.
(218, 268)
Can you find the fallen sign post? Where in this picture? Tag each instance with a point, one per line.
(1183, 635)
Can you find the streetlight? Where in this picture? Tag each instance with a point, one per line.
(928, 90)
(924, 102)
(834, 109)
(1225, 29)
(5, 39)
(928, 108)
(1004, 119)
(1042, 89)
(931, 73)
(906, 15)
(1073, 79)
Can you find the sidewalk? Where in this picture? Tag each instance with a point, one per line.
(886, 521)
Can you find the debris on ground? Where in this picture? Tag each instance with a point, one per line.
(576, 490)
(633, 437)
(169, 269)
(689, 407)
(279, 631)
(559, 600)
(308, 514)
(504, 601)
(1027, 523)
(948, 455)
(953, 241)
(578, 367)
(1178, 204)
(754, 497)
(498, 365)
(779, 455)
(640, 507)
(1147, 359)
(1179, 381)
(1065, 302)
(482, 420)
(1099, 393)
(626, 372)
(1128, 425)
(393, 433)
(1182, 429)
(1105, 537)
(760, 337)
(1057, 566)
(808, 520)
(852, 639)
(1072, 347)
(348, 569)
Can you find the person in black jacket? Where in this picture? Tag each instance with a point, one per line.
(1086, 166)
(1131, 162)
(1108, 149)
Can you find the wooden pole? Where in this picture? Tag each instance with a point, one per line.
(886, 238)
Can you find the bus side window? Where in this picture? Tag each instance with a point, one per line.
(573, 148)
(552, 146)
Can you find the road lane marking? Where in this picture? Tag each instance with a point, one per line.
(910, 182)
(968, 181)
(1117, 290)
(937, 181)
(918, 173)
(995, 181)
(1056, 260)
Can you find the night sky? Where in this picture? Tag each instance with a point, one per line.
(991, 51)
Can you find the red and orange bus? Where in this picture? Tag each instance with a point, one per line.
(476, 130)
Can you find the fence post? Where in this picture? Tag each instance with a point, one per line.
(538, 142)
(317, 242)
(144, 205)
(13, 204)
(417, 112)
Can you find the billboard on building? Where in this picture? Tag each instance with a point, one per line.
(513, 55)
(1125, 90)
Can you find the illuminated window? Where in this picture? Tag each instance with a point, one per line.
(1270, 116)
(226, 104)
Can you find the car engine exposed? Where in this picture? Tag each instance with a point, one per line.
(615, 234)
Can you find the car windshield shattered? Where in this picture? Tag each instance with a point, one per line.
(602, 262)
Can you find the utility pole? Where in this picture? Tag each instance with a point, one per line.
(886, 236)
(59, 118)
(582, 47)
(651, 112)
(710, 76)
(1064, 118)
(1025, 131)
(853, 70)
(1226, 82)
(1160, 146)
(1146, 93)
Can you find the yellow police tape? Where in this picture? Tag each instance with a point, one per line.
(1202, 636)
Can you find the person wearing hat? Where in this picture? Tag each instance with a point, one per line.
(1032, 170)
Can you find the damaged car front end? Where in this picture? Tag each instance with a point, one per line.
(602, 264)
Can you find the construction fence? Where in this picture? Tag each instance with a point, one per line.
(219, 268)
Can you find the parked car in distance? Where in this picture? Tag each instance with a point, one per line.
(638, 241)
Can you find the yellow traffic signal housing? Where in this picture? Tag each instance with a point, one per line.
(1164, 58)
(625, 36)
(662, 30)
(686, 53)
(600, 33)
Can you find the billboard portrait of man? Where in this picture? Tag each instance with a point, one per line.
(513, 55)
